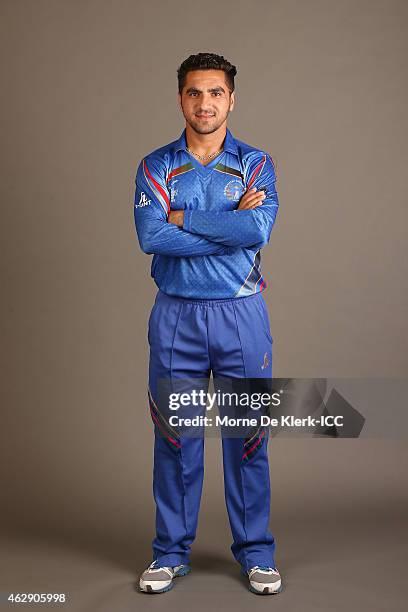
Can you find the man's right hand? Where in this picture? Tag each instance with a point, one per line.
(251, 199)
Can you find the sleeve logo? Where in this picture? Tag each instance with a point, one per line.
(143, 201)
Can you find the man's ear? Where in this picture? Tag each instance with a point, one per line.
(232, 100)
(179, 101)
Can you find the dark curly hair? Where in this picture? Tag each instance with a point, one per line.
(206, 61)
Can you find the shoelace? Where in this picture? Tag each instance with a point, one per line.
(168, 570)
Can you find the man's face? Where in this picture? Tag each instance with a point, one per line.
(205, 100)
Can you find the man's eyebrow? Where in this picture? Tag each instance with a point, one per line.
(212, 89)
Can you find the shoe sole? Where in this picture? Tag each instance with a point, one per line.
(266, 591)
(181, 572)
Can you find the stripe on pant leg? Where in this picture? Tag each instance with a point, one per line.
(169, 434)
(252, 444)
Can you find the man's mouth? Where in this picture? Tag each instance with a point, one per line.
(205, 115)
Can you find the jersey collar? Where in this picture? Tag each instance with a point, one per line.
(229, 142)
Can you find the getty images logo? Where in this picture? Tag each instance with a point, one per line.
(143, 201)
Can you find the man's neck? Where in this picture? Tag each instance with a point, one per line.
(205, 144)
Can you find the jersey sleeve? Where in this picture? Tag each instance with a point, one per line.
(241, 228)
(151, 210)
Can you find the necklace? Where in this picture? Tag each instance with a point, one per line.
(204, 157)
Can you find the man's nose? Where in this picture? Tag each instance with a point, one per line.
(206, 101)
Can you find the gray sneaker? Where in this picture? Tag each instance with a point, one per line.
(160, 579)
(264, 580)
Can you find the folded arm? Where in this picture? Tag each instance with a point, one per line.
(241, 228)
(151, 209)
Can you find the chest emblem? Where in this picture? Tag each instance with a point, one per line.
(233, 190)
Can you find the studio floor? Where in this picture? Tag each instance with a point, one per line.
(341, 541)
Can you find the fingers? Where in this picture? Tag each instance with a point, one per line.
(255, 205)
(253, 192)
(253, 195)
(252, 199)
(244, 205)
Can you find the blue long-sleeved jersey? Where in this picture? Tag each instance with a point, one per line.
(216, 254)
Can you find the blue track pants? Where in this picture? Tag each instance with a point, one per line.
(191, 338)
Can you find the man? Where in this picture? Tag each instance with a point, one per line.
(204, 207)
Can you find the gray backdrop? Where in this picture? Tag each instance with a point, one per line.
(89, 87)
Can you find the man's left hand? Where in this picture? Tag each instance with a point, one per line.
(176, 217)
